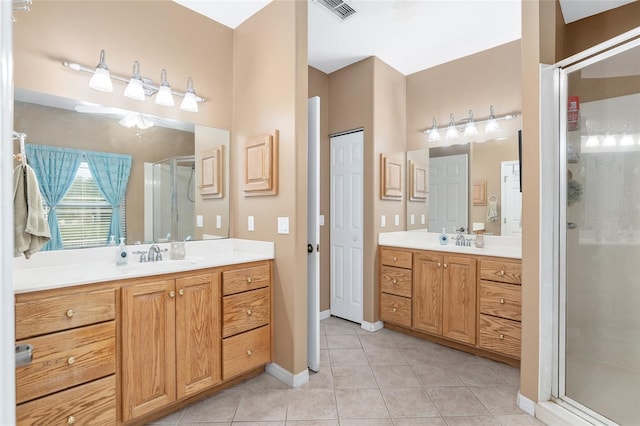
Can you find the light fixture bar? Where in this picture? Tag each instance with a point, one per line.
(460, 125)
(150, 87)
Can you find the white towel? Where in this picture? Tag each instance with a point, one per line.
(31, 230)
(492, 210)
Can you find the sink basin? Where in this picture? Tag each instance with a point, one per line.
(168, 265)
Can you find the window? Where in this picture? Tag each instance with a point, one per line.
(84, 215)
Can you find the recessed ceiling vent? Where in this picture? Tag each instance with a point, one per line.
(338, 8)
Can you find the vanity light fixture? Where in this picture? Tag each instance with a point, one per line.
(467, 127)
(609, 140)
(137, 120)
(627, 140)
(470, 129)
(492, 123)
(434, 133)
(452, 130)
(139, 87)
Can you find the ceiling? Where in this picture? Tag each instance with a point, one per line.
(409, 35)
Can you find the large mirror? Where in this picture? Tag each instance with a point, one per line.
(475, 185)
(164, 198)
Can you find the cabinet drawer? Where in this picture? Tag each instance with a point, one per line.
(395, 309)
(65, 359)
(501, 300)
(90, 404)
(245, 351)
(49, 314)
(395, 281)
(505, 272)
(245, 279)
(500, 335)
(245, 311)
(397, 258)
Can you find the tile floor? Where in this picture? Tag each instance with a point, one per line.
(380, 378)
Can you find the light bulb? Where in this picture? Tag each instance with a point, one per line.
(609, 140)
(452, 130)
(134, 89)
(627, 140)
(434, 134)
(101, 79)
(470, 129)
(190, 101)
(164, 96)
(492, 123)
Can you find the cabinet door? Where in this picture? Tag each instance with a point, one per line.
(459, 299)
(197, 333)
(148, 347)
(427, 292)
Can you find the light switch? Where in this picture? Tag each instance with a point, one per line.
(199, 221)
(250, 226)
(321, 221)
(413, 219)
(396, 219)
(383, 221)
(218, 221)
(283, 225)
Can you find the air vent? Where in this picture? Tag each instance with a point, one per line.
(338, 8)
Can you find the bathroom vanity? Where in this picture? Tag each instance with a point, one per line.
(126, 345)
(463, 297)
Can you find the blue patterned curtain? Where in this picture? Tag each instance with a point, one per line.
(111, 174)
(55, 169)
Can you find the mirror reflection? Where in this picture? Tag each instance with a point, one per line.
(475, 185)
(162, 199)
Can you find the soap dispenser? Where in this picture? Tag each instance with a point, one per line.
(112, 241)
(444, 238)
(122, 253)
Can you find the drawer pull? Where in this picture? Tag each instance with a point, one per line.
(445, 265)
(181, 292)
(439, 264)
(501, 301)
(501, 336)
(395, 281)
(71, 420)
(172, 294)
(501, 272)
(395, 309)
(249, 312)
(70, 313)
(249, 280)
(249, 352)
(71, 360)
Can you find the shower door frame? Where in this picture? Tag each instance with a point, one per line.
(596, 54)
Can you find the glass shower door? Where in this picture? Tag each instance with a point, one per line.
(599, 356)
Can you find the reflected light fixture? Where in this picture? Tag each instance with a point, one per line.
(164, 96)
(101, 79)
(434, 133)
(492, 123)
(134, 89)
(136, 120)
(452, 130)
(627, 140)
(593, 141)
(609, 140)
(470, 129)
(189, 103)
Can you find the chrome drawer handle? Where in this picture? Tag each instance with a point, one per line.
(70, 313)
(71, 360)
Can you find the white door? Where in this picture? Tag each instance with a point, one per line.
(511, 211)
(346, 225)
(448, 196)
(313, 233)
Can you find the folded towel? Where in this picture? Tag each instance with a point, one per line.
(31, 230)
(492, 210)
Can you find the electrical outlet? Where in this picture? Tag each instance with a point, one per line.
(250, 224)
(321, 221)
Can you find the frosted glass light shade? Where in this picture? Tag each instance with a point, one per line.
(135, 90)
(101, 80)
(492, 126)
(189, 103)
(470, 129)
(164, 96)
(452, 132)
(627, 140)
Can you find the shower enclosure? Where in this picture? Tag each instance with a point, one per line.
(171, 193)
(599, 237)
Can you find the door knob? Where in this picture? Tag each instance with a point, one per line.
(309, 248)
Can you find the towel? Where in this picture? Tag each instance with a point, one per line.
(492, 210)
(31, 230)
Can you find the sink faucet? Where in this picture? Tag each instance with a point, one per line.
(460, 240)
(154, 249)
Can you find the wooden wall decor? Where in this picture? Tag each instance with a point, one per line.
(212, 176)
(418, 189)
(261, 165)
(479, 195)
(391, 178)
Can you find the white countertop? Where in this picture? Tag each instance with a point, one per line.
(64, 268)
(496, 246)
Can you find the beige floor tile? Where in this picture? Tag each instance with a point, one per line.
(421, 356)
(432, 376)
(424, 421)
(384, 356)
(353, 377)
(171, 419)
(360, 404)
(312, 404)
(477, 373)
(456, 401)
(261, 383)
(325, 361)
(472, 421)
(262, 406)
(375, 340)
(411, 402)
(399, 340)
(395, 376)
(313, 423)
(280, 423)
(511, 375)
(348, 357)
(331, 329)
(519, 420)
(366, 422)
(205, 424)
(343, 341)
(322, 379)
(500, 400)
(217, 408)
(323, 342)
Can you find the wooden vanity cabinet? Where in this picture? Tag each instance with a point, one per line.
(170, 341)
(396, 286)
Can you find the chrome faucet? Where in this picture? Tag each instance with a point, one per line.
(154, 249)
(460, 240)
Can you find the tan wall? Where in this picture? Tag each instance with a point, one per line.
(270, 92)
(319, 86)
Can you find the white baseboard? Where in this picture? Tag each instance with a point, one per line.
(526, 405)
(325, 314)
(372, 326)
(292, 380)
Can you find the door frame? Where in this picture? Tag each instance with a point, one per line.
(313, 234)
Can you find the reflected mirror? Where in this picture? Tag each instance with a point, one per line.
(164, 199)
(475, 185)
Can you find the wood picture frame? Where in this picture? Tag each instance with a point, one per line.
(479, 192)
(260, 174)
(418, 187)
(212, 173)
(391, 179)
